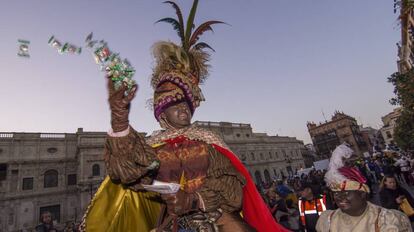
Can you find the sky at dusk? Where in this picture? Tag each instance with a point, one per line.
(277, 65)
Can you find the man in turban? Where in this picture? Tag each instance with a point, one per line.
(350, 193)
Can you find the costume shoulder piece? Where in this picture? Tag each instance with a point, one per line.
(192, 132)
(390, 219)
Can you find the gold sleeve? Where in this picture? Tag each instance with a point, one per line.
(223, 187)
(127, 158)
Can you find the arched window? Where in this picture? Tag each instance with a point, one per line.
(51, 178)
(96, 170)
(267, 176)
(252, 156)
(258, 177)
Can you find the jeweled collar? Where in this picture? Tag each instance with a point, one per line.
(192, 132)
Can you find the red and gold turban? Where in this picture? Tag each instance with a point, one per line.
(180, 69)
(343, 178)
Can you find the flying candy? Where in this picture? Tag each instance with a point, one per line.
(119, 70)
(55, 43)
(70, 48)
(66, 48)
(23, 48)
(89, 42)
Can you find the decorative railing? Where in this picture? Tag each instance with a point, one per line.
(6, 135)
(52, 136)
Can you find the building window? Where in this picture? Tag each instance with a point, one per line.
(52, 150)
(51, 179)
(252, 156)
(270, 155)
(54, 211)
(247, 135)
(261, 156)
(71, 179)
(96, 170)
(27, 183)
(277, 155)
(258, 177)
(11, 219)
(238, 135)
(3, 171)
(389, 136)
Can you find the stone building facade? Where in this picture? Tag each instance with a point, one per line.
(47, 172)
(342, 128)
(369, 135)
(266, 157)
(405, 46)
(60, 172)
(390, 122)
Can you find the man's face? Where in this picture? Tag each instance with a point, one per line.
(350, 202)
(178, 115)
(390, 183)
(46, 218)
(306, 193)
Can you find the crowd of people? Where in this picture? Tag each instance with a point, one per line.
(297, 202)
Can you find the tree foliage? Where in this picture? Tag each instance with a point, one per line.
(403, 89)
(404, 96)
(404, 131)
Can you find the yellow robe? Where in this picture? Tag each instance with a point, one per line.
(115, 208)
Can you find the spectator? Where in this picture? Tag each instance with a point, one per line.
(391, 194)
(278, 208)
(46, 223)
(294, 223)
(310, 207)
(404, 164)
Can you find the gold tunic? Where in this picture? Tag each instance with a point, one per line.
(385, 220)
(119, 205)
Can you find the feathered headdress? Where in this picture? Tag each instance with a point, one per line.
(183, 67)
(340, 177)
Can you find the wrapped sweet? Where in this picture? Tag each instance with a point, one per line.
(70, 48)
(55, 43)
(23, 48)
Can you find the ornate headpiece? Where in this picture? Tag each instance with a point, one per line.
(180, 69)
(340, 177)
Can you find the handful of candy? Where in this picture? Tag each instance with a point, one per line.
(119, 70)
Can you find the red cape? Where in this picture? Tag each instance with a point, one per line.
(255, 211)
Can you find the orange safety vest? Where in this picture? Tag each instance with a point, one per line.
(315, 206)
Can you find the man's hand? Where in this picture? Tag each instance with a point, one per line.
(119, 104)
(400, 199)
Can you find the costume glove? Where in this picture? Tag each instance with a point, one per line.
(119, 103)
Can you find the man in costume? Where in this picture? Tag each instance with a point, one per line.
(350, 192)
(215, 186)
